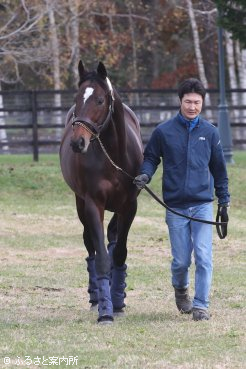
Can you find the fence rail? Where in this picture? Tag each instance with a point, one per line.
(33, 121)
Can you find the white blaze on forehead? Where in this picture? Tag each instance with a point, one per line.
(88, 93)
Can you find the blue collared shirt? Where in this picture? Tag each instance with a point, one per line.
(190, 124)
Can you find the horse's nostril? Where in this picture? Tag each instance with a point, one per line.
(81, 143)
(74, 146)
(78, 145)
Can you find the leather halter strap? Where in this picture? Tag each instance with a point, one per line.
(80, 121)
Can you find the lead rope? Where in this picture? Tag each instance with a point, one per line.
(109, 158)
(221, 232)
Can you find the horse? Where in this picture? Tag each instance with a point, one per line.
(100, 153)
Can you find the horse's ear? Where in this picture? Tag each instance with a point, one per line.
(81, 68)
(101, 70)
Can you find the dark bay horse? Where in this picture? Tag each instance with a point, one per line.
(101, 150)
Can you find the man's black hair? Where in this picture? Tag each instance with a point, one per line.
(191, 85)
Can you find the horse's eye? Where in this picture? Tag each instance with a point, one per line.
(100, 100)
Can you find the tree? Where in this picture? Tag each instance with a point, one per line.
(198, 52)
(196, 40)
(233, 80)
(19, 31)
(3, 133)
(54, 46)
(72, 33)
(232, 17)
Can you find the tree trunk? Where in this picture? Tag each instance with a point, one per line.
(232, 72)
(74, 43)
(243, 81)
(241, 66)
(3, 133)
(134, 48)
(155, 12)
(56, 62)
(243, 69)
(198, 53)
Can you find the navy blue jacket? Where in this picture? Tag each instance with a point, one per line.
(193, 163)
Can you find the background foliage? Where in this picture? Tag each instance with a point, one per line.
(232, 15)
(146, 43)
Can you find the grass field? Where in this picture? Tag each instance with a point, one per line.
(45, 317)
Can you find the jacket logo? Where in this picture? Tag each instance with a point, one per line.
(201, 138)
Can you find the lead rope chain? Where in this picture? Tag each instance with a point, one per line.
(109, 158)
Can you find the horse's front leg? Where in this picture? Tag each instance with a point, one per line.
(90, 260)
(118, 283)
(95, 214)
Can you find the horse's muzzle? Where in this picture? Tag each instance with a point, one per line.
(79, 146)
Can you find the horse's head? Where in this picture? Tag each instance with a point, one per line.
(93, 107)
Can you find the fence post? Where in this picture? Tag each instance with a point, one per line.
(34, 125)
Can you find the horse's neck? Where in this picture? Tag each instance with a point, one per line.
(117, 130)
(120, 124)
(69, 115)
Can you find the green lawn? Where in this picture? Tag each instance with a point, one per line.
(43, 282)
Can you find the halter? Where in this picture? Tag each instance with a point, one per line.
(91, 126)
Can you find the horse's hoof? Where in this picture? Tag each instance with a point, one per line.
(94, 306)
(105, 319)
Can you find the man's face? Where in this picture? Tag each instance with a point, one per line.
(191, 105)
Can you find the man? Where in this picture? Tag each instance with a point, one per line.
(193, 166)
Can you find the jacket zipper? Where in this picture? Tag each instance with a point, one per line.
(187, 164)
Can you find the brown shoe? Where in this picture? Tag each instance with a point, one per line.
(183, 300)
(200, 314)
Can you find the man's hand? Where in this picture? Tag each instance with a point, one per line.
(141, 180)
(222, 212)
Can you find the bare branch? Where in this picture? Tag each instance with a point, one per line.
(202, 12)
(120, 15)
(24, 7)
(24, 28)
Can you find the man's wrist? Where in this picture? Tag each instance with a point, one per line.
(224, 204)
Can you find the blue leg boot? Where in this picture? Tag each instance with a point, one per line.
(105, 306)
(92, 287)
(118, 286)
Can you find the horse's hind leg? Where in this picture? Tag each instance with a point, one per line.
(118, 273)
(112, 238)
(90, 260)
(112, 230)
(118, 283)
(118, 286)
